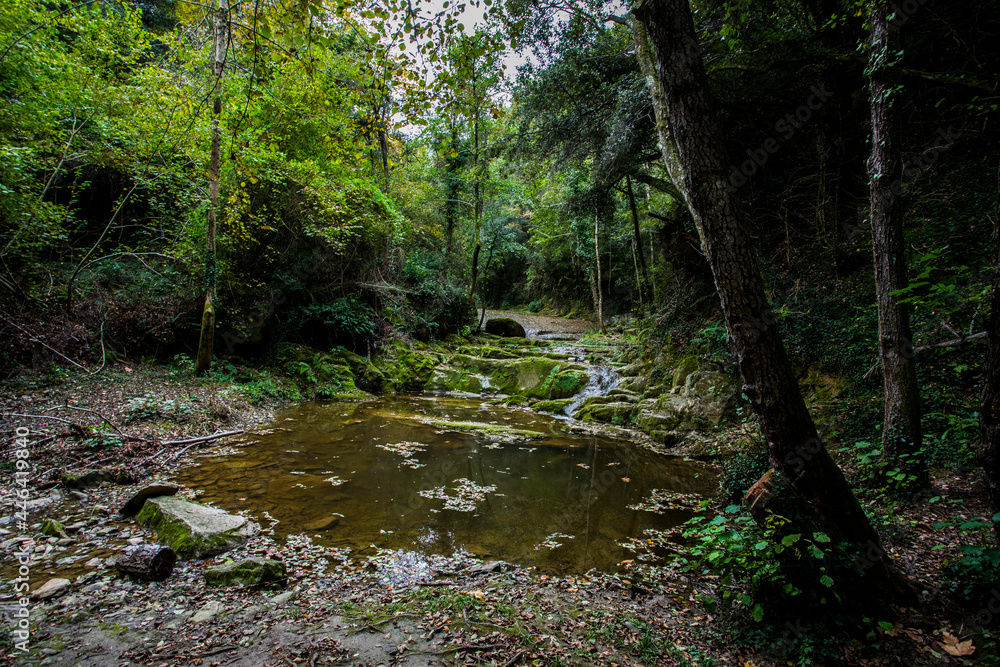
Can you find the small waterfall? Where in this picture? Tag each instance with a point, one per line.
(602, 380)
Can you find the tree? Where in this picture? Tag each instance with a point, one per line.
(901, 433)
(693, 152)
(989, 415)
(220, 47)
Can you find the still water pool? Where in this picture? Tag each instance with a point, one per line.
(379, 475)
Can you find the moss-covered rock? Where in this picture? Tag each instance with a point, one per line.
(53, 528)
(452, 379)
(406, 368)
(683, 368)
(557, 407)
(194, 530)
(246, 572)
(83, 479)
(608, 413)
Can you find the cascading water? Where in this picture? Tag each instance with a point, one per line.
(602, 380)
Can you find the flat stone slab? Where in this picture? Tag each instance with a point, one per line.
(194, 530)
(135, 503)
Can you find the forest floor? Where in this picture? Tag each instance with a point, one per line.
(332, 611)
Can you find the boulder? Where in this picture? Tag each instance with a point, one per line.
(51, 589)
(505, 327)
(246, 572)
(135, 503)
(194, 530)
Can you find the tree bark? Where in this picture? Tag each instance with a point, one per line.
(640, 257)
(220, 43)
(146, 561)
(989, 415)
(901, 434)
(768, 380)
(598, 289)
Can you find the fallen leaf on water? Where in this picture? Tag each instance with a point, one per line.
(626, 479)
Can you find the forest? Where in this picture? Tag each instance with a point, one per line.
(758, 237)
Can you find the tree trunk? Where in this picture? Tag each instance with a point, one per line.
(644, 286)
(220, 43)
(695, 141)
(146, 561)
(598, 289)
(901, 436)
(989, 415)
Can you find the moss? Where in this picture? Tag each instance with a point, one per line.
(178, 536)
(555, 407)
(247, 572)
(682, 370)
(53, 528)
(609, 413)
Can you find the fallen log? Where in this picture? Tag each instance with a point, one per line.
(196, 441)
(146, 561)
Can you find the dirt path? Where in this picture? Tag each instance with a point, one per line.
(543, 326)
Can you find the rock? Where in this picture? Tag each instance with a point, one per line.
(505, 327)
(135, 503)
(325, 523)
(193, 530)
(555, 407)
(96, 588)
(484, 568)
(51, 589)
(135, 540)
(282, 598)
(207, 613)
(246, 572)
(82, 479)
(608, 413)
(53, 528)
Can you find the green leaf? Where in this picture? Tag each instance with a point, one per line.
(758, 613)
(821, 537)
(826, 580)
(789, 540)
(732, 509)
(760, 546)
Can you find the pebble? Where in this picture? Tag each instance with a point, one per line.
(50, 589)
(135, 540)
(207, 613)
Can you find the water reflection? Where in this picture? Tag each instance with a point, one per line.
(374, 475)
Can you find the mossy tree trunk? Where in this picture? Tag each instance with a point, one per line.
(220, 42)
(694, 148)
(901, 434)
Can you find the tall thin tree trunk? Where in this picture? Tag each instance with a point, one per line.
(989, 415)
(644, 286)
(207, 339)
(599, 290)
(694, 145)
(901, 434)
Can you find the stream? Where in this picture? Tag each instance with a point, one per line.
(377, 475)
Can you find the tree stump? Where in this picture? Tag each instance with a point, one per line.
(146, 561)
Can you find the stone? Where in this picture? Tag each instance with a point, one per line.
(135, 503)
(194, 530)
(505, 328)
(326, 523)
(51, 589)
(282, 598)
(246, 572)
(82, 479)
(207, 612)
(487, 567)
(53, 528)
